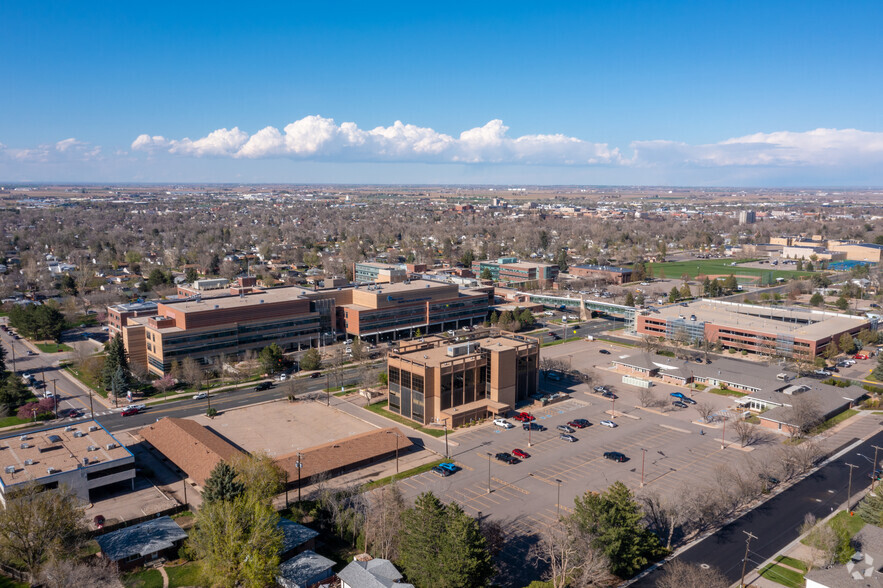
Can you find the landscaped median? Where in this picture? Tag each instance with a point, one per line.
(406, 474)
(53, 347)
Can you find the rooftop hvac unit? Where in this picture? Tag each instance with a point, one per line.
(85, 461)
(110, 446)
(29, 462)
(78, 434)
(92, 448)
(25, 446)
(51, 471)
(68, 428)
(23, 438)
(93, 428)
(9, 469)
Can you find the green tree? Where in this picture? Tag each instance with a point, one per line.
(259, 474)
(842, 303)
(68, 284)
(799, 266)
(222, 484)
(639, 299)
(846, 343)
(629, 299)
(463, 552)
(614, 519)
(816, 300)
(13, 393)
(37, 525)
(190, 275)
(526, 318)
(115, 357)
(878, 370)
(422, 528)
(357, 349)
(674, 294)
(685, 292)
(37, 321)
(561, 260)
(809, 266)
(467, 258)
(486, 274)
(730, 283)
(271, 358)
(870, 509)
(237, 542)
(312, 360)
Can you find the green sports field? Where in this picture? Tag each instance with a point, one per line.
(717, 267)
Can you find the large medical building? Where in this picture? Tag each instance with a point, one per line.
(433, 380)
(294, 318)
(786, 332)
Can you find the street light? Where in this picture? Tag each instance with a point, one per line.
(298, 465)
(643, 456)
(558, 502)
(447, 453)
(54, 394)
(489, 455)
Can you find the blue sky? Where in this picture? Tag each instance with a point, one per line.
(664, 92)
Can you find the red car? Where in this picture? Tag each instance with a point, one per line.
(129, 412)
(861, 356)
(524, 417)
(579, 423)
(519, 453)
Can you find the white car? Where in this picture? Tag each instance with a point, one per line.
(200, 396)
(610, 424)
(452, 333)
(504, 423)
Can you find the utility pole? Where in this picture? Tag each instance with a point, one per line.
(849, 492)
(724, 435)
(54, 394)
(489, 473)
(447, 453)
(745, 559)
(643, 457)
(558, 502)
(91, 407)
(298, 465)
(874, 468)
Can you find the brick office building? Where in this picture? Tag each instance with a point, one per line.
(609, 273)
(435, 380)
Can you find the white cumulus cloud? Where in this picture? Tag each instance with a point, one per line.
(317, 137)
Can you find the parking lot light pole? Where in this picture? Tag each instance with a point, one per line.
(298, 465)
(447, 452)
(558, 503)
(613, 407)
(489, 473)
(724, 435)
(643, 456)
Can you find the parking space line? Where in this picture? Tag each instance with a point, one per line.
(509, 485)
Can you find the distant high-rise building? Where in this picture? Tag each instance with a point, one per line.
(747, 217)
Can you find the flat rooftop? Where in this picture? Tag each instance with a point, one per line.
(57, 448)
(797, 322)
(273, 295)
(435, 356)
(407, 286)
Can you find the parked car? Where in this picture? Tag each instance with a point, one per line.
(600, 389)
(519, 453)
(316, 375)
(609, 394)
(565, 429)
(861, 356)
(679, 404)
(506, 458)
(568, 438)
(677, 395)
(604, 351)
(200, 396)
(263, 386)
(615, 456)
(129, 412)
(524, 417)
(876, 475)
(579, 423)
(31, 352)
(688, 400)
(503, 423)
(533, 427)
(553, 376)
(451, 467)
(440, 471)
(610, 424)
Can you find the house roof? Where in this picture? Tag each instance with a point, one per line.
(303, 570)
(141, 539)
(375, 573)
(190, 446)
(344, 452)
(294, 535)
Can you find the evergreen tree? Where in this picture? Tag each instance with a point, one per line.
(685, 291)
(816, 299)
(847, 345)
(486, 274)
(878, 371)
(222, 484)
(629, 299)
(422, 529)
(13, 393)
(526, 318)
(870, 509)
(69, 284)
(190, 275)
(614, 519)
(809, 266)
(706, 286)
(463, 553)
(730, 283)
(674, 294)
(561, 260)
(2, 362)
(115, 358)
(271, 358)
(842, 303)
(312, 360)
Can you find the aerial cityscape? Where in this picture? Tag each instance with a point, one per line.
(355, 296)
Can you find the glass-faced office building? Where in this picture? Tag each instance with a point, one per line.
(435, 380)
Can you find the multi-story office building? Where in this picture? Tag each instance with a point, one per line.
(608, 273)
(434, 380)
(509, 269)
(385, 273)
(82, 456)
(295, 318)
(747, 217)
(119, 314)
(786, 332)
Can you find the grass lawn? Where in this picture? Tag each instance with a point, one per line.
(185, 575)
(53, 347)
(852, 524)
(783, 576)
(717, 267)
(794, 563)
(732, 393)
(12, 421)
(834, 420)
(380, 408)
(81, 376)
(560, 341)
(406, 474)
(143, 579)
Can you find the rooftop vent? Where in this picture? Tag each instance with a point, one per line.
(217, 306)
(92, 448)
(93, 428)
(9, 469)
(68, 428)
(29, 462)
(85, 461)
(25, 446)
(110, 446)
(23, 438)
(51, 471)
(78, 434)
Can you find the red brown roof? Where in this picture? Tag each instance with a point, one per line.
(345, 452)
(190, 446)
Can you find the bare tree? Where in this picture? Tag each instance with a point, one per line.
(665, 516)
(705, 411)
(568, 553)
(385, 521)
(680, 574)
(747, 433)
(802, 416)
(192, 372)
(294, 388)
(646, 396)
(822, 540)
(63, 573)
